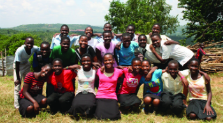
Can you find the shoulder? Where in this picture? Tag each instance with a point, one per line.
(57, 47)
(185, 72)
(29, 75)
(72, 50)
(158, 71)
(20, 49)
(120, 71)
(35, 48)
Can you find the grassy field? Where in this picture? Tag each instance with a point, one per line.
(9, 114)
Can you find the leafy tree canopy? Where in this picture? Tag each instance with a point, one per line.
(143, 14)
(206, 19)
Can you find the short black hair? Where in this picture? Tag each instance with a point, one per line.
(48, 65)
(91, 29)
(82, 36)
(135, 59)
(131, 25)
(125, 34)
(44, 42)
(57, 59)
(141, 36)
(147, 61)
(29, 37)
(173, 62)
(156, 24)
(106, 24)
(108, 54)
(106, 32)
(86, 54)
(155, 34)
(194, 59)
(64, 37)
(63, 26)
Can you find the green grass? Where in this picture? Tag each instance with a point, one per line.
(9, 114)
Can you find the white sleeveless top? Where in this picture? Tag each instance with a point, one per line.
(86, 81)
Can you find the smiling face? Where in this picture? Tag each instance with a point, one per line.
(107, 27)
(89, 32)
(83, 42)
(65, 44)
(156, 29)
(29, 43)
(173, 69)
(142, 41)
(107, 39)
(136, 66)
(156, 41)
(86, 63)
(126, 41)
(45, 50)
(131, 31)
(45, 71)
(145, 67)
(194, 67)
(64, 31)
(108, 61)
(57, 67)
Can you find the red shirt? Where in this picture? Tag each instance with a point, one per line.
(63, 83)
(200, 53)
(35, 86)
(130, 83)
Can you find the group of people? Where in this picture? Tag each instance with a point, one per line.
(116, 65)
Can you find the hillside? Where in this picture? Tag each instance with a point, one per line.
(54, 27)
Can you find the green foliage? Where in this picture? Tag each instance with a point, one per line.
(11, 43)
(206, 19)
(143, 14)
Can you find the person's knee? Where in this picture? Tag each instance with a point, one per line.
(43, 103)
(156, 102)
(62, 100)
(208, 118)
(147, 100)
(166, 102)
(192, 116)
(30, 109)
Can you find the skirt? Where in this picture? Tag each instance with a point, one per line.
(152, 96)
(83, 104)
(197, 107)
(126, 100)
(107, 109)
(25, 103)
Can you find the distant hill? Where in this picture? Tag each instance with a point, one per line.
(54, 27)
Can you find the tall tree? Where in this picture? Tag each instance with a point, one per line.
(205, 19)
(143, 14)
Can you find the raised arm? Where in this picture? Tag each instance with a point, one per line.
(149, 75)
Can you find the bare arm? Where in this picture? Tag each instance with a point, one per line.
(149, 75)
(185, 87)
(207, 108)
(30, 98)
(169, 42)
(18, 81)
(98, 54)
(157, 55)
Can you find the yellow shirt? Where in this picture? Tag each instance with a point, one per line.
(197, 88)
(172, 85)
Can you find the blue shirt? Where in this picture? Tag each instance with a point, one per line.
(127, 54)
(155, 85)
(56, 40)
(115, 40)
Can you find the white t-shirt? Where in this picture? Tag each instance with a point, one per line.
(93, 42)
(176, 52)
(163, 37)
(21, 55)
(149, 54)
(86, 81)
(57, 40)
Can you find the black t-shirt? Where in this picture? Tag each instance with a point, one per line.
(90, 51)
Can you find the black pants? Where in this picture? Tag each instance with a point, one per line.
(61, 102)
(173, 102)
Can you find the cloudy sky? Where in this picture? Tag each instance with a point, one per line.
(17, 12)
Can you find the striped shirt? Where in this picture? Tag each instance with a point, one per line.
(35, 86)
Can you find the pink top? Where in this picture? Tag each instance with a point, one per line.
(103, 50)
(107, 85)
(130, 83)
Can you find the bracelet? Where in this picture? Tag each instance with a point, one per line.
(182, 77)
